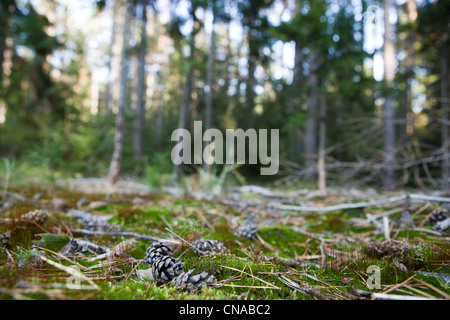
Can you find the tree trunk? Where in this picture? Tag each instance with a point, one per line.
(322, 136)
(389, 75)
(160, 111)
(108, 96)
(408, 128)
(294, 104)
(250, 89)
(209, 81)
(116, 160)
(140, 104)
(313, 104)
(251, 65)
(209, 84)
(183, 119)
(3, 32)
(444, 114)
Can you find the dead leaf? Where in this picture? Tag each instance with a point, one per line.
(347, 280)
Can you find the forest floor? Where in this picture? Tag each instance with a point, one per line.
(296, 244)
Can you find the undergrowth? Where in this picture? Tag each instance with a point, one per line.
(294, 256)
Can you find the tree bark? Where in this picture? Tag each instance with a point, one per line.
(116, 160)
(2, 40)
(108, 95)
(444, 113)
(313, 104)
(183, 119)
(408, 127)
(209, 84)
(251, 65)
(160, 111)
(141, 86)
(389, 75)
(210, 79)
(294, 104)
(322, 138)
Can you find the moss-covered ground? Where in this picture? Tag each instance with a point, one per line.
(295, 255)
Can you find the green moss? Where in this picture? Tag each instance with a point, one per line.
(192, 220)
(289, 242)
(139, 251)
(336, 223)
(436, 282)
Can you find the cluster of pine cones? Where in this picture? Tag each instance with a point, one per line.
(166, 268)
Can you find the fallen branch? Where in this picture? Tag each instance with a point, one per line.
(125, 234)
(360, 205)
(383, 296)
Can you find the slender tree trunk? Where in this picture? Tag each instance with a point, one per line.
(409, 114)
(444, 114)
(250, 90)
(209, 81)
(251, 65)
(141, 86)
(295, 100)
(3, 32)
(313, 104)
(227, 48)
(160, 113)
(322, 138)
(209, 84)
(108, 95)
(116, 160)
(183, 120)
(389, 75)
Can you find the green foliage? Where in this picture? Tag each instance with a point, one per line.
(49, 116)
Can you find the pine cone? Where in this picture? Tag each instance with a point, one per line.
(38, 216)
(438, 215)
(166, 268)
(5, 240)
(209, 247)
(189, 282)
(156, 251)
(249, 228)
(99, 224)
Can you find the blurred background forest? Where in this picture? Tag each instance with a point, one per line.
(357, 88)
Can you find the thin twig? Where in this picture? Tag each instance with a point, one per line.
(251, 275)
